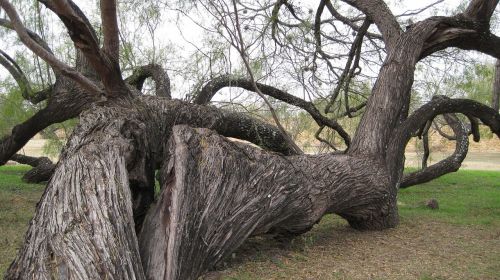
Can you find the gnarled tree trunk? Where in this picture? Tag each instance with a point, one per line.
(215, 193)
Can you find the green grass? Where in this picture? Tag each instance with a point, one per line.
(17, 205)
(469, 201)
(467, 197)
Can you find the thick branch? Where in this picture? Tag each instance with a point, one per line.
(157, 73)
(495, 98)
(212, 87)
(438, 105)
(110, 30)
(445, 166)
(42, 169)
(83, 36)
(381, 15)
(481, 10)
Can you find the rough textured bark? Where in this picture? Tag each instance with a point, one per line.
(216, 193)
(105, 181)
(211, 88)
(83, 227)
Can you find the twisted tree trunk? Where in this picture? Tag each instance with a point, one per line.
(215, 194)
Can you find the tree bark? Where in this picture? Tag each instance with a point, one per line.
(216, 193)
(85, 225)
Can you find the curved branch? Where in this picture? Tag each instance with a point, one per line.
(15, 71)
(437, 106)
(381, 15)
(468, 31)
(349, 70)
(157, 73)
(348, 22)
(447, 165)
(22, 81)
(211, 88)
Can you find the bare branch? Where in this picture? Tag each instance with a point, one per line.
(240, 46)
(381, 15)
(56, 64)
(437, 106)
(157, 73)
(450, 164)
(495, 98)
(481, 10)
(110, 30)
(350, 67)
(83, 36)
(16, 72)
(212, 87)
(347, 21)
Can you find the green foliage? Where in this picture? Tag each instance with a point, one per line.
(56, 136)
(477, 83)
(13, 109)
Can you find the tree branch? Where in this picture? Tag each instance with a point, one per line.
(445, 166)
(381, 15)
(83, 36)
(110, 30)
(212, 87)
(33, 45)
(437, 106)
(157, 73)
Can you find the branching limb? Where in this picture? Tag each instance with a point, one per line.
(381, 15)
(350, 68)
(445, 166)
(468, 31)
(105, 61)
(157, 73)
(212, 87)
(240, 47)
(438, 105)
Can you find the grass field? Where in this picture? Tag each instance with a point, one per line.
(460, 240)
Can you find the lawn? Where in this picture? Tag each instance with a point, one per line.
(460, 240)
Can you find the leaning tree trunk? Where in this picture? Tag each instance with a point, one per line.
(215, 194)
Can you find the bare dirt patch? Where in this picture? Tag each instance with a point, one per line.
(417, 249)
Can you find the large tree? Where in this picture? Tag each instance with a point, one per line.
(98, 218)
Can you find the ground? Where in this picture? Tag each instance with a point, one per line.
(460, 240)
